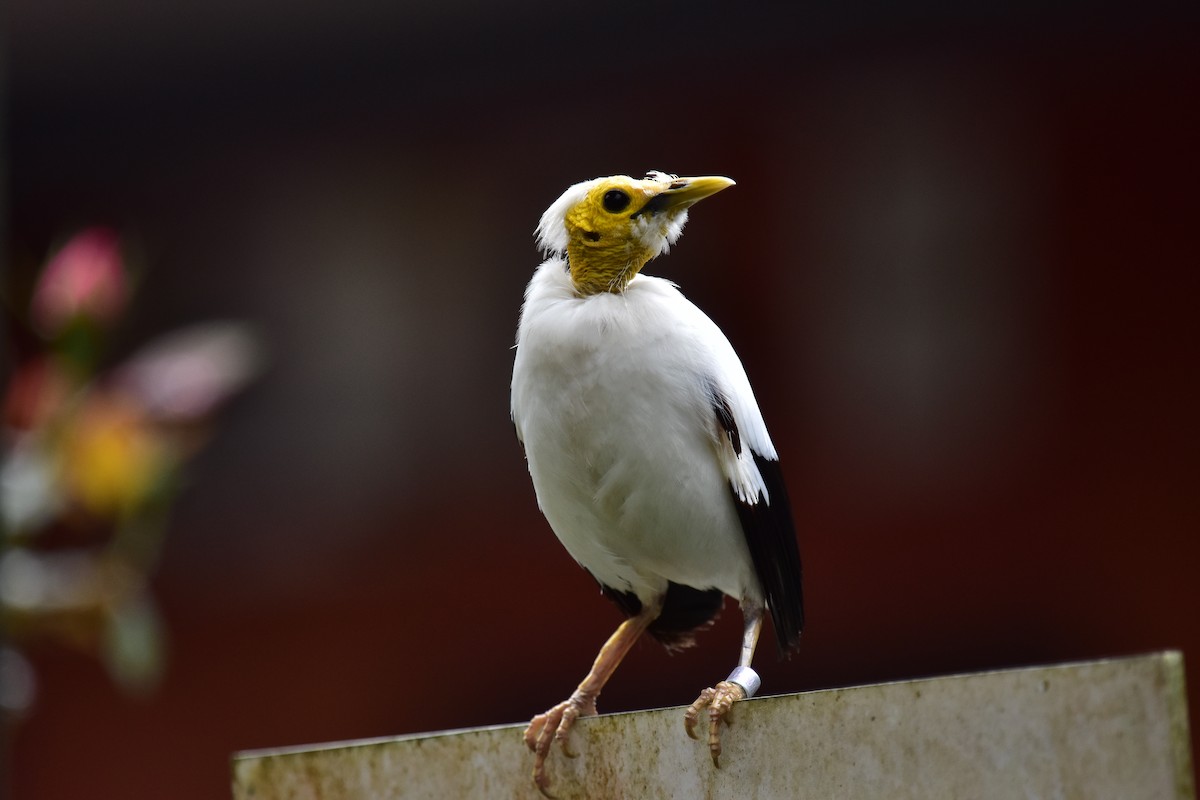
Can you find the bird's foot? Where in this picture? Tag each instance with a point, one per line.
(554, 726)
(719, 701)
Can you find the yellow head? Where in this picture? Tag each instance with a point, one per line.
(608, 228)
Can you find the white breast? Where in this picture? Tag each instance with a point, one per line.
(610, 396)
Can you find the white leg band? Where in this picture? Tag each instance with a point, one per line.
(747, 679)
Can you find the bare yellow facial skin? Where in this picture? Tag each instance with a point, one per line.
(624, 222)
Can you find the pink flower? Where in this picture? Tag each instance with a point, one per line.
(86, 278)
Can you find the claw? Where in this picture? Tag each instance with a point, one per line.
(554, 726)
(719, 701)
(692, 715)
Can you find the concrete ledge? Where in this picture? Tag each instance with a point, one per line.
(1105, 729)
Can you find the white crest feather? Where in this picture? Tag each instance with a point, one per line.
(551, 231)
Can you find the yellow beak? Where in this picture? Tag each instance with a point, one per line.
(683, 193)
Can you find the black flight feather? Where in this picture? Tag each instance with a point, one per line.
(770, 534)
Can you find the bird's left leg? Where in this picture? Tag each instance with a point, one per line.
(741, 684)
(555, 724)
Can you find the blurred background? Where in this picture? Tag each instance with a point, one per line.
(959, 265)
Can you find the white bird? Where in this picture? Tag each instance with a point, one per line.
(648, 452)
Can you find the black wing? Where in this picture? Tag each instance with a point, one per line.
(770, 535)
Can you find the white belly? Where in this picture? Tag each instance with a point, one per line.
(620, 438)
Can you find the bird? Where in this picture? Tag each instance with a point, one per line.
(646, 447)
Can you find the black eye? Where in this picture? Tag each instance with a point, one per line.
(615, 201)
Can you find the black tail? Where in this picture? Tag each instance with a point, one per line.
(685, 612)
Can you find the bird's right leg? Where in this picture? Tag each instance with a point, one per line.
(719, 699)
(555, 724)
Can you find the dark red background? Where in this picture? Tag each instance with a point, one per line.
(959, 264)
